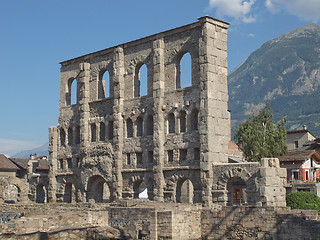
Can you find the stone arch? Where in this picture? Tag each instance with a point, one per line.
(72, 93)
(41, 193)
(105, 84)
(184, 70)
(137, 188)
(132, 70)
(141, 81)
(101, 81)
(141, 183)
(184, 191)
(231, 174)
(98, 189)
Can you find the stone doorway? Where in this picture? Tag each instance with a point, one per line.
(236, 191)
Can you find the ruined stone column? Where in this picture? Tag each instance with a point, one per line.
(83, 86)
(53, 150)
(84, 109)
(158, 123)
(118, 86)
(214, 117)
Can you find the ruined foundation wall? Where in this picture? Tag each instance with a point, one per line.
(260, 223)
(148, 220)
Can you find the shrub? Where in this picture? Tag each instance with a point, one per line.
(303, 200)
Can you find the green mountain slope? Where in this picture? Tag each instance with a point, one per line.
(284, 72)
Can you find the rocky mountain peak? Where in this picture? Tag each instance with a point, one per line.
(284, 72)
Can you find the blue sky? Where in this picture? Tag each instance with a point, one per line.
(36, 34)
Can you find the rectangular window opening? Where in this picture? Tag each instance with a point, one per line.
(170, 155)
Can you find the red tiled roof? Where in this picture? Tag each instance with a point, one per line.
(299, 155)
(233, 150)
(5, 163)
(43, 165)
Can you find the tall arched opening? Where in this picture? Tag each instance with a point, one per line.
(184, 191)
(98, 190)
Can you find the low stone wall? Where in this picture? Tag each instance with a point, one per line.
(151, 220)
(77, 234)
(259, 223)
(157, 220)
(49, 218)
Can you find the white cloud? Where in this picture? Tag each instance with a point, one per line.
(9, 146)
(238, 9)
(251, 35)
(271, 6)
(306, 9)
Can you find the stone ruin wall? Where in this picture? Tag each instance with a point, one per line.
(172, 142)
(159, 141)
(132, 219)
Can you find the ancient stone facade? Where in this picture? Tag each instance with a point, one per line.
(112, 142)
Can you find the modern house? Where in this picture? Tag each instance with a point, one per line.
(302, 161)
(298, 138)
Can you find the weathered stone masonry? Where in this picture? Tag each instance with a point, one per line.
(172, 142)
(124, 140)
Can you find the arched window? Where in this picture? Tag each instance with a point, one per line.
(110, 130)
(139, 127)
(93, 132)
(141, 81)
(106, 84)
(77, 135)
(62, 137)
(194, 119)
(171, 123)
(129, 128)
(149, 125)
(140, 190)
(184, 73)
(72, 94)
(102, 132)
(70, 136)
(185, 191)
(183, 121)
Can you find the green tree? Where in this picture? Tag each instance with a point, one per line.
(303, 200)
(259, 137)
